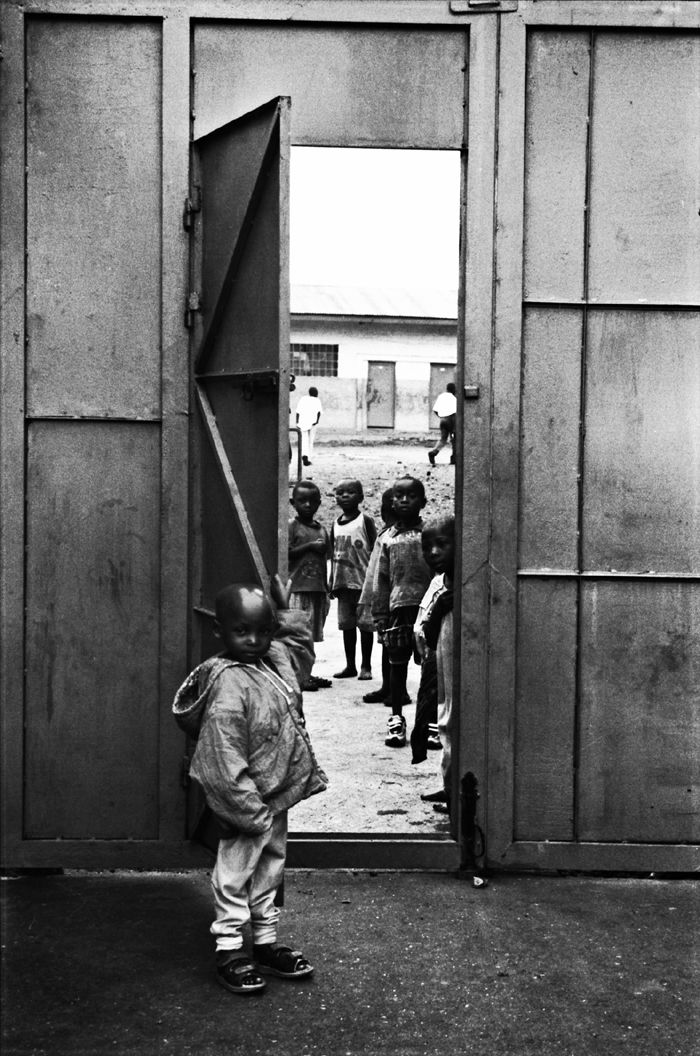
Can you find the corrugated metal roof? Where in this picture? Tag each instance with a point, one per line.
(366, 300)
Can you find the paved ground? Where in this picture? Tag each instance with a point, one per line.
(406, 964)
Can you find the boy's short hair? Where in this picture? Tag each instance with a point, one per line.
(418, 484)
(226, 600)
(357, 485)
(309, 486)
(451, 387)
(313, 391)
(444, 525)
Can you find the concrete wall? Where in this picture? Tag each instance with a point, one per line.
(413, 345)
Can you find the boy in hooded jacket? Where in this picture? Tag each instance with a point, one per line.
(253, 761)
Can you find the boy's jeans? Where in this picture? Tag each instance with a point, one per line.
(248, 871)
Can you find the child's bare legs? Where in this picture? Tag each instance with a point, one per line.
(396, 727)
(379, 696)
(366, 643)
(349, 645)
(398, 674)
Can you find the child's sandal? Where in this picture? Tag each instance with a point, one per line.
(240, 976)
(280, 960)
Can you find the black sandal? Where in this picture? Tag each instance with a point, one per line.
(274, 959)
(240, 976)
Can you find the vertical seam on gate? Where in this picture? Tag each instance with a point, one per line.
(494, 282)
(25, 425)
(582, 436)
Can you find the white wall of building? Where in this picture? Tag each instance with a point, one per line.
(411, 344)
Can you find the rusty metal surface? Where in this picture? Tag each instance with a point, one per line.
(379, 87)
(549, 438)
(639, 765)
(545, 711)
(645, 139)
(93, 218)
(555, 164)
(92, 631)
(642, 443)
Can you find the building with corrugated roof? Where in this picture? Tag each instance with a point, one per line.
(379, 357)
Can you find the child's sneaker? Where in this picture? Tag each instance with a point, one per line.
(434, 742)
(395, 732)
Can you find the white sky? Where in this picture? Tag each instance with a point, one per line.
(381, 218)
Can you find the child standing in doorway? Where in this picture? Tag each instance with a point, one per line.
(352, 538)
(253, 761)
(309, 550)
(402, 580)
(439, 550)
(388, 515)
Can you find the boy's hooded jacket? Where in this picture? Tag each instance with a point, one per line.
(253, 758)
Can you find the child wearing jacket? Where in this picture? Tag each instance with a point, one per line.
(253, 761)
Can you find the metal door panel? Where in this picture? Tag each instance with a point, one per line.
(93, 152)
(639, 767)
(242, 348)
(645, 144)
(549, 438)
(641, 468)
(92, 625)
(381, 392)
(545, 710)
(379, 87)
(593, 673)
(555, 165)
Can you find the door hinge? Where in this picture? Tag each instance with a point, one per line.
(192, 305)
(193, 205)
(471, 7)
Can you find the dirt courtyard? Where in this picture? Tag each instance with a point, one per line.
(373, 789)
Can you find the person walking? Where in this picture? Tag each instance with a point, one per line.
(446, 410)
(308, 415)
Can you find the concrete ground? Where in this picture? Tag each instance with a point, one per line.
(410, 964)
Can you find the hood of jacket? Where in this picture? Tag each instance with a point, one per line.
(191, 698)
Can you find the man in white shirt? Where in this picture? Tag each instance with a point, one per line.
(446, 410)
(308, 415)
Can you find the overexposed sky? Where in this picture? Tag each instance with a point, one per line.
(381, 218)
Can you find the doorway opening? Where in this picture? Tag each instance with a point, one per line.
(374, 264)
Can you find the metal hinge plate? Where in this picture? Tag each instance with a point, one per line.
(193, 205)
(192, 305)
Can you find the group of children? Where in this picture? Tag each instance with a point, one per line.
(379, 579)
(243, 707)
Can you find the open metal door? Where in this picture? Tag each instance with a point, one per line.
(239, 312)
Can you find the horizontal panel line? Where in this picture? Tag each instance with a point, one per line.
(371, 837)
(90, 418)
(644, 306)
(557, 573)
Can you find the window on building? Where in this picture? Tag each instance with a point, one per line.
(314, 360)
